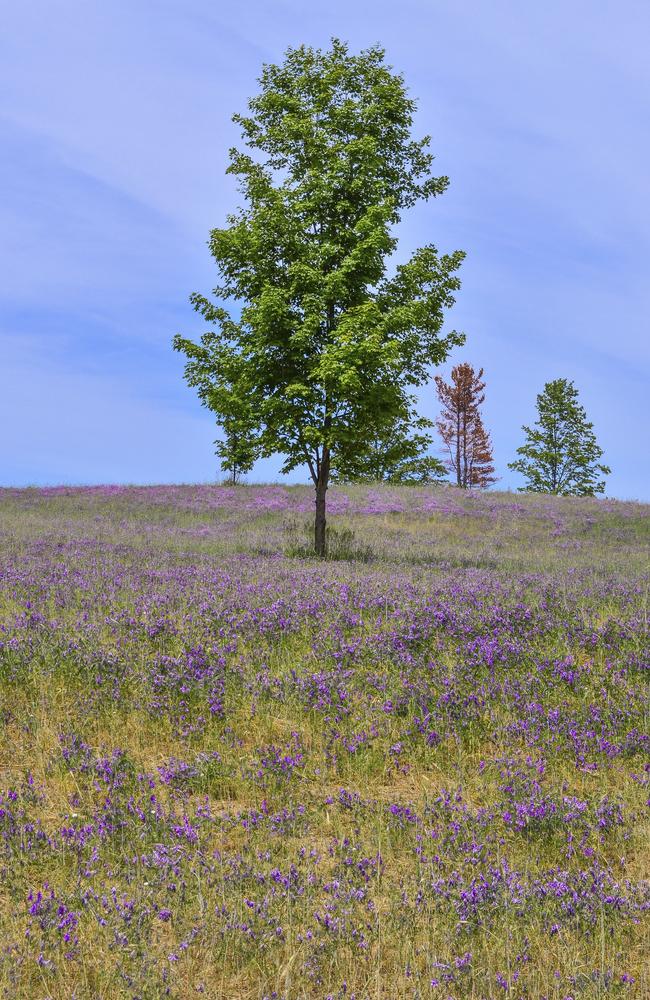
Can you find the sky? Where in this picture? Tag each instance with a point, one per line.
(115, 125)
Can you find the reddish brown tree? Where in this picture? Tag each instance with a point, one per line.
(461, 428)
(481, 462)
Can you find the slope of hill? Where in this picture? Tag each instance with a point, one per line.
(419, 769)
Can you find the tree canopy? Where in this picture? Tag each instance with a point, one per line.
(398, 456)
(324, 344)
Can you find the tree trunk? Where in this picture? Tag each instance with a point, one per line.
(320, 538)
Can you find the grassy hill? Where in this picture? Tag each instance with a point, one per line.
(419, 769)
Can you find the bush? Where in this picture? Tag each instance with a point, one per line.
(341, 544)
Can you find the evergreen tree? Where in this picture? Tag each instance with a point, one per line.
(560, 454)
(480, 463)
(461, 427)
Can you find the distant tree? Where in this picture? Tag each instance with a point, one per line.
(480, 458)
(237, 450)
(325, 345)
(560, 454)
(461, 427)
(396, 455)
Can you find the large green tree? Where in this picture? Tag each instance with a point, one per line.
(327, 344)
(560, 454)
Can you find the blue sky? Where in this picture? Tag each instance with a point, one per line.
(115, 126)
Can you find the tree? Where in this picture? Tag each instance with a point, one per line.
(237, 450)
(461, 427)
(481, 461)
(326, 345)
(397, 456)
(560, 454)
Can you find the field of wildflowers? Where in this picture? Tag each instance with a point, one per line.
(419, 769)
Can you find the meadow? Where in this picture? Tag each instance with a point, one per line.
(418, 769)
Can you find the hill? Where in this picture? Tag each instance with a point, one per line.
(419, 769)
